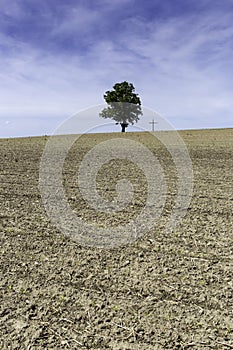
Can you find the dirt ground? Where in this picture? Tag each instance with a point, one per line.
(163, 291)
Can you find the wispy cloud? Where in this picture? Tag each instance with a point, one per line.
(55, 60)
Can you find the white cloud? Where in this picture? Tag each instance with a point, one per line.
(181, 67)
(78, 19)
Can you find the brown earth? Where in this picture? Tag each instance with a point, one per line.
(163, 291)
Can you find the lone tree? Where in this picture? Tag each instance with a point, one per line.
(124, 106)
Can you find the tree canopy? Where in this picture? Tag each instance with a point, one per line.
(124, 105)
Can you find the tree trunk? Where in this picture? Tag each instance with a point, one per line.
(124, 126)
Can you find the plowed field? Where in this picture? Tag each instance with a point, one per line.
(166, 290)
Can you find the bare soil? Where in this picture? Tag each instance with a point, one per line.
(163, 291)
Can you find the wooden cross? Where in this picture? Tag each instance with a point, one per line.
(153, 124)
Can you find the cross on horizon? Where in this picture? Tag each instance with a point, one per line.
(153, 124)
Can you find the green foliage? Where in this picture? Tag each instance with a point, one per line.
(124, 105)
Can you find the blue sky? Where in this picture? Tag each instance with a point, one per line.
(59, 57)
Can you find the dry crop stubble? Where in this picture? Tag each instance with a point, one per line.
(163, 291)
